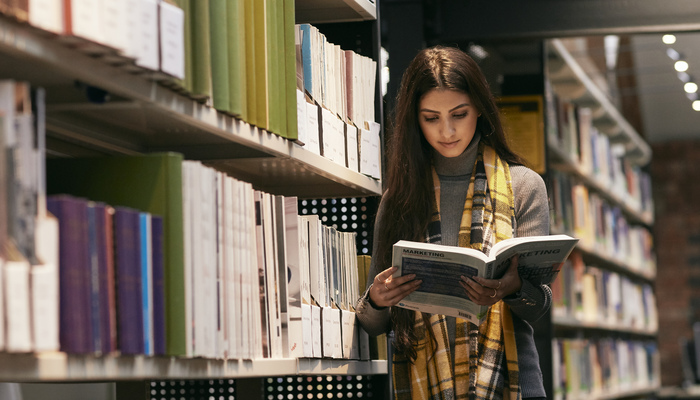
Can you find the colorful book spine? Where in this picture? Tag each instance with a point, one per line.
(128, 273)
(74, 274)
(159, 347)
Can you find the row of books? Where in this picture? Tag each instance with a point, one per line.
(597, 156)
(341, 81)
(602, 298)
(601, 226)
(324, 133)
(258, 280)
(605, 367)
(140, 35)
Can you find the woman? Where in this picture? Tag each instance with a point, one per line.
(452, 179)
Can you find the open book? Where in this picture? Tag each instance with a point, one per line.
(440, 268)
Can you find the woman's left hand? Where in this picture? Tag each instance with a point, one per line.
(486, 292)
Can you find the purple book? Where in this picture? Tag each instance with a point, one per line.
(128, 280)
(105, 261)
(75, 330)
(158, 289)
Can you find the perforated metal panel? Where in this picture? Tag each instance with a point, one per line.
(213, 389)
(353, 214)
(324, 387)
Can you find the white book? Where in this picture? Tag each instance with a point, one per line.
(352, 147)
(86, 20)
(44, 286)
(172, 40)
(17, 308)
(375, 152)
(284, 260)
(348, 333)
(47, 15)
(330, 332)
(199, 261)
(220, 227)
(317, 282)
(147, 38)
(327, 137)
(208, 261)
(339, 141)
(293, 272)
(316, 328)
(231, 233)
(113, 17)
(365, 151)
(263, 313)
(312, 128)
(302, 130)
(272, 276)
(308, 333)
(188, 191)
(251, 285)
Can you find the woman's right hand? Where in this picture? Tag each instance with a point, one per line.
(386, 290)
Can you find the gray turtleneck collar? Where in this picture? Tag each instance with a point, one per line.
(461, 165)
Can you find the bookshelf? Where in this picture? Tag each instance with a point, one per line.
(603, 303)
(143, 115)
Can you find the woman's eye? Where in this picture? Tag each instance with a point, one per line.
(459, 116)
(430, 119)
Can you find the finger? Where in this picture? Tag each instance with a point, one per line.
(384, 275)
(400, 280)
(403, 291)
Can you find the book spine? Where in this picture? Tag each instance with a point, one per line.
(128, 273)
(158, 286)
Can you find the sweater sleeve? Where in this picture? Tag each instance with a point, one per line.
(532, 219)
(375, 321)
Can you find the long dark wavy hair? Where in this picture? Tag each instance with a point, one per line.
(408, 196)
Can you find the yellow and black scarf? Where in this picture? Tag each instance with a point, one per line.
(478, 371)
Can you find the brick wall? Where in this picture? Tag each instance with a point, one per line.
(675, 171)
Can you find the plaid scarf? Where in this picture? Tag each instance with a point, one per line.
(478, 371)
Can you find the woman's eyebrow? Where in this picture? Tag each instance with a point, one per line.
(438, 112)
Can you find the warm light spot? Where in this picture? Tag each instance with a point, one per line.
(669, 39)
(681, 66)
(690, 87)
(696, 105)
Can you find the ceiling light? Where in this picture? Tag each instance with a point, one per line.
(681, 66)
(690, 87)
(696, 105)
(673, 54)
(668, 39)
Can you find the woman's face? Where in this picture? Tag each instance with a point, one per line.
(448, 120)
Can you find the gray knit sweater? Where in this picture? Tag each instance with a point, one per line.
(532, 219)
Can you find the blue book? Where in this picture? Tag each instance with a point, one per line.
(306, 58)
(127, 244)
(158, 285)
(146, 281)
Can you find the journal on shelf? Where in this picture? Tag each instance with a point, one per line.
(441, 267)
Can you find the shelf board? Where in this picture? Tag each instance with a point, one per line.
(324, 11)
(567, 323)
(57, 366)
(560, 160)
(142, 115)
(571, 81)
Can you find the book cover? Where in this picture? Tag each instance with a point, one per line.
(146, 268)
(236, 41)
(441, 267)
(290, 71)
(151, 183)
(251, 69)
(129, 280)
(201, 50)
(74, 273)
(105, 245)
(94, 269)
(158, 290)
(220, 68)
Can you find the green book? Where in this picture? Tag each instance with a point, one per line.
(250, 65)
(201, 49)
(218, 31)
(151, 183)
(290, 72)
(236, 32)
(262, 71)
(273, 62)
